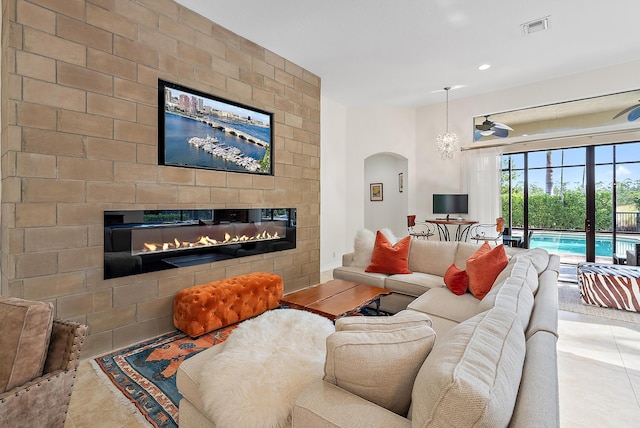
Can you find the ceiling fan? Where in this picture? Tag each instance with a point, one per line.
(489, 127)
(634, 113)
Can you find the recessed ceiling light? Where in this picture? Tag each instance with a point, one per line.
(484, 67)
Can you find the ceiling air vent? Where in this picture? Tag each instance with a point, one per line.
(535, 26)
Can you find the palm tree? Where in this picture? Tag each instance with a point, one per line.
(549, 183)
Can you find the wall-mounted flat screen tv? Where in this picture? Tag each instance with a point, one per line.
(198, 130)
(450, 204)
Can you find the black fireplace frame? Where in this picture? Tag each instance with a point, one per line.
(213, 235)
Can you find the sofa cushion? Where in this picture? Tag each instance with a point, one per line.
(539, 257)
(515, 296)
(24, 342)
(516, 268)
(379, 366)
(413, 284)
(484, 269)
(388, 258)
(433, 257)
(443, 303)
(506, 272)
(402, 319)
(472, 375)
(456, 280)
(466, 250)
(357, 274)
(524, 269)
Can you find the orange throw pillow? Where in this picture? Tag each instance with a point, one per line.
(484, 269)
(387, 258)
(456, 280)
(484, 249)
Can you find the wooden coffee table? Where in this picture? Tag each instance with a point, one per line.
(334, 299)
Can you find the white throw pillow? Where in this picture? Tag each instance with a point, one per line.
(363, 245)
(266, 363)
(379, 366)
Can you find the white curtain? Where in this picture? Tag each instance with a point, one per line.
(483, 170)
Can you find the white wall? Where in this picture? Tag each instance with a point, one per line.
(333, 175)
(411, 133)
(349, 136)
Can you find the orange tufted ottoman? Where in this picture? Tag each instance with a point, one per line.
(203, 308)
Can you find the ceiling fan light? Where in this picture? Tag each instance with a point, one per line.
(487, 132)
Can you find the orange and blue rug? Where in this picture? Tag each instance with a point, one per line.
(146, 372)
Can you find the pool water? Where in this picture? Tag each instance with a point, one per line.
(567, 243)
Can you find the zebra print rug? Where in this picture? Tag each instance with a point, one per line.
(569, 300)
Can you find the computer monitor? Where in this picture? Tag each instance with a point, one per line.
(450, 204)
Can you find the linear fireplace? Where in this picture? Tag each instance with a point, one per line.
(141, 241)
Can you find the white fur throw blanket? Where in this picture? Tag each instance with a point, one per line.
(266, 362)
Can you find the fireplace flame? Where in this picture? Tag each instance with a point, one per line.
(204, 241)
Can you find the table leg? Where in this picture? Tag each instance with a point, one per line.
(443, 232)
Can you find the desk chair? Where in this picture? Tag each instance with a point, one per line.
(487, 232)
(419, 229)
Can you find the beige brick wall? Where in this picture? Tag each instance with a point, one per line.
(79, 136)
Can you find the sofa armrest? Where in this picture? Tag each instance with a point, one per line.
(538, 397)
(554, 263)
(544, 316)
(326, 405)
(347, 259)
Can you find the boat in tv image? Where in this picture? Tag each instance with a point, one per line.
(453, 205)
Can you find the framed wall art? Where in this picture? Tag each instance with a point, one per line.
(198, 130)
(375, 191)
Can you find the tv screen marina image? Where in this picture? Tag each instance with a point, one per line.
(203, 131)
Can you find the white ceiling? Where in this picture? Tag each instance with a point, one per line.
(402, 53)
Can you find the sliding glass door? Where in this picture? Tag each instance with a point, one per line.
(617, 200)
(581, 203)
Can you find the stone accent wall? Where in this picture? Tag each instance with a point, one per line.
(79, 136)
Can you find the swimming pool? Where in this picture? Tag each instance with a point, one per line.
(574, 243)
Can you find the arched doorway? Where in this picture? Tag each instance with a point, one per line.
(388, 210)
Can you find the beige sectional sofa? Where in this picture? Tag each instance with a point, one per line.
(494, 362)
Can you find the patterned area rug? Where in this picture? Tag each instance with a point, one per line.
(146, 372)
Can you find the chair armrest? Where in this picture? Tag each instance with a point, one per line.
(44, 401)
(324, 404)
(67, 339)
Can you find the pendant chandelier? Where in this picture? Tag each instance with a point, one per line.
(447, 142)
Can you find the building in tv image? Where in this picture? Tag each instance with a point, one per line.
(198, 130)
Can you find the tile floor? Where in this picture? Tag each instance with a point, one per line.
(598, 364)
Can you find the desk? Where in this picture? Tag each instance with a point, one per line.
(462, 228)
